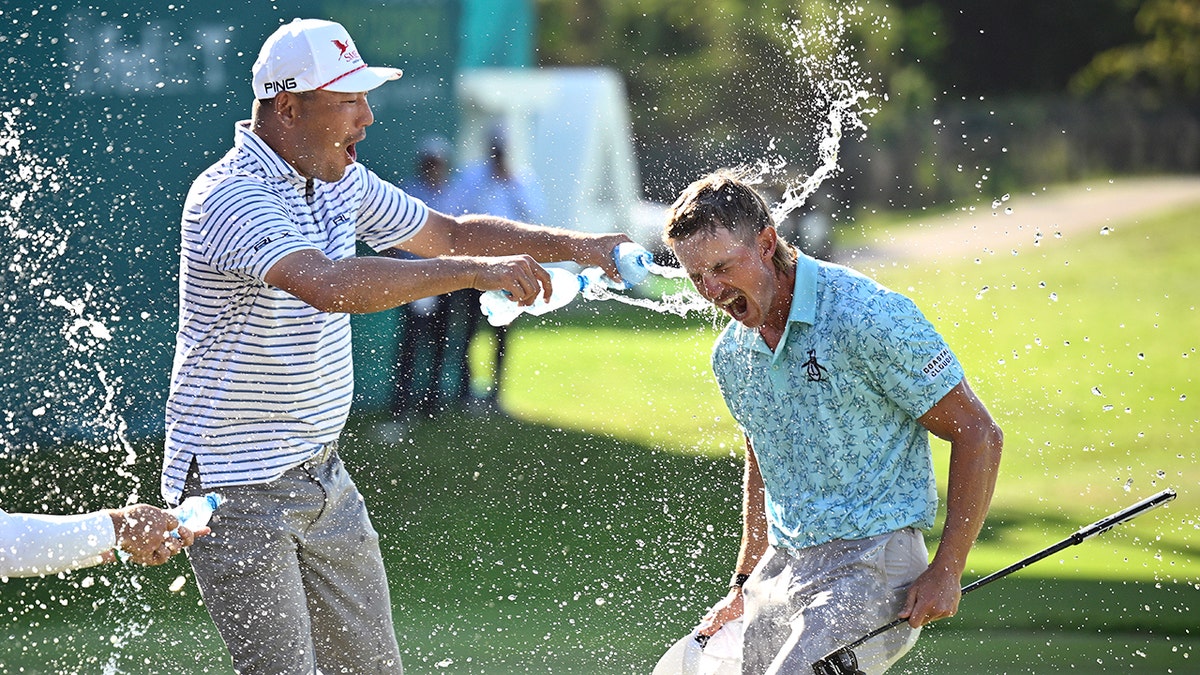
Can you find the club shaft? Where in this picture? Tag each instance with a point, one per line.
(1098, 527)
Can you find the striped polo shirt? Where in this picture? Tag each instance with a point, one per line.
(832, 412)
(261, 380)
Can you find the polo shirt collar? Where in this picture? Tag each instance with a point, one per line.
(271, 164)
(804, 291)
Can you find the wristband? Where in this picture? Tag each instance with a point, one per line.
(738, 580)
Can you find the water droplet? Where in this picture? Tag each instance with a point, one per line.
(1105, 231)
(1096, 391)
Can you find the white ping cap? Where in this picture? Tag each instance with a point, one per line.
(310, 54)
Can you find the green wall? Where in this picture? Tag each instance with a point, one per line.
(106, 116)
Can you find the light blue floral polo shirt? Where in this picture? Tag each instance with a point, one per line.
(832, 413)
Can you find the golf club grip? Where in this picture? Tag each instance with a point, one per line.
(1105, 524)
(1098, 527)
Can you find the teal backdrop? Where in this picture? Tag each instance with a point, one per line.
(109, 111)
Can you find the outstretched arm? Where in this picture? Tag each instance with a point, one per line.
(359, 285)
(483, 235)
(480, 252)
(38, 544)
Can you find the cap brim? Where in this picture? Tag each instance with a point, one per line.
(364, 80)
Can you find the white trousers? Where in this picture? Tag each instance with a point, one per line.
(803, 604)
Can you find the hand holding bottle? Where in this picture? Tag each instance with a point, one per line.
(500, 308)
(632, 261)
(633, 264)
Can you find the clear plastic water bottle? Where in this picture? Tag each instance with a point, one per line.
(501, 309)
(633, 262)
(194, 512)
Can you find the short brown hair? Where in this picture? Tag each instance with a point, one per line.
(723, 199)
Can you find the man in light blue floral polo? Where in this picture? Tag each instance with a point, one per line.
(836, 382)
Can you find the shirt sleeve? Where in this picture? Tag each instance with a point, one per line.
(387, 215)
(39, 545)
(904, 354)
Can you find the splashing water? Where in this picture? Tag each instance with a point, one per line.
(84, 402)
(63, 436)
(839, 94)
(680, 303)
(839, 97)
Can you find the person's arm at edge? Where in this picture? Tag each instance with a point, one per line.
(40, 545)
(976, 444)
(754, 545)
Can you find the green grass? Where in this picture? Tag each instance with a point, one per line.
(1095, 387)
(593, 528)
(1085, 351)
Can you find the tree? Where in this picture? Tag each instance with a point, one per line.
(712, 82)
(1163, 66)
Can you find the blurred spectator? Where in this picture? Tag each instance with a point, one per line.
(492, 186)
(432, 366)
(432, 173)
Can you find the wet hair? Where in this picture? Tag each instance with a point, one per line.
(723, 199)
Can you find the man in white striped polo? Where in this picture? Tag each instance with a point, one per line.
(262, 379)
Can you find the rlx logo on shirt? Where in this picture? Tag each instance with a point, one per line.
(263, 242)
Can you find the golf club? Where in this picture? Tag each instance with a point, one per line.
(843, 661)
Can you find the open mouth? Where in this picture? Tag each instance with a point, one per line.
(735, 305)
(352, 151)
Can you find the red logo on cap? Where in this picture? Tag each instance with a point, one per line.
(346, 53)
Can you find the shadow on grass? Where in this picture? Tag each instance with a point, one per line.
(546, 550)
(517, 547)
